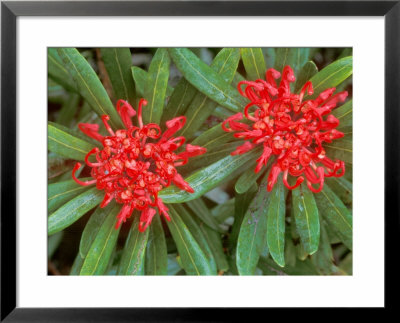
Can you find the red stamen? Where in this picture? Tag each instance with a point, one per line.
(86, 183)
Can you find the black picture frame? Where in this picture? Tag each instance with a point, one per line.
(9, 13)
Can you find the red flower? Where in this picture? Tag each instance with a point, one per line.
(290, 128)
(136, 163)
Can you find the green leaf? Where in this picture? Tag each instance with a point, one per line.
(100, 251)
(276, 224)
(76, 266)
(223, 211)
(156, 86)
(89, 85)
(249, 177)
(215, 243)
(332, 75)
(336, 214)
(68, 110)
(345, 115)
(323, 258)
(140, 77)
(212, 138)
(207, 178)
(66, 145)
(173, 265)
(53, 243)
(156, 250)
(270, 55)
(133, 254)
(225, 64)
(242, 202)
(207, 81)
(252, 235)
(342, 188)
(75, 132)
(61, 192)
(236, 79)
(58, 72)
(73, 210)
(307, 219)
(340, 149)
(253, 60)
(193, 258)
(200, 209)
(189, 220)
(306, 73)
(292, 56)
(92, 228)
(179, 102)
(118, 62)
(211, 156)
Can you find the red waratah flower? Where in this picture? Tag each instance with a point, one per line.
(136, 163)
(289, 127)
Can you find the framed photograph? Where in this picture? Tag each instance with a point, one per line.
(159, 158)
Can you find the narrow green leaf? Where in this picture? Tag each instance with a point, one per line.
(73, 210)
(323, 258)
(207, 81)
(75, 132)
(189, 220)
(276, 224)
(342, 188)
(140, 77)
(200, 209)
(213, 137)
(252, 235)
(98, 257)
(134, 251)
(332, 75)
(58, 72)
(173, 265)
(207, 178)
(180, 99)
(295, 57)
(225, 64)
(307, 219)
(253, 60)
(92, 228)
(156, 250)
(64, 144)
(242, 202)
(223, 211)
(270, 56)
(68, 110)
(215, 243)
(222, 113)
(76, 266)
(193, 259)
(236, 79)
(53, 243)
(89, 85)
(336, 214)
(118, 62)
(249, 177)
(61, 192)
(211, 156)
(306, 73)
(345, 115)
(156, 86)
(340, 149)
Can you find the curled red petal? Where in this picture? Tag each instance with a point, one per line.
(145, 218)
(91, 130)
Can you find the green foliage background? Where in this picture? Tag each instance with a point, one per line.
(231, 225)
